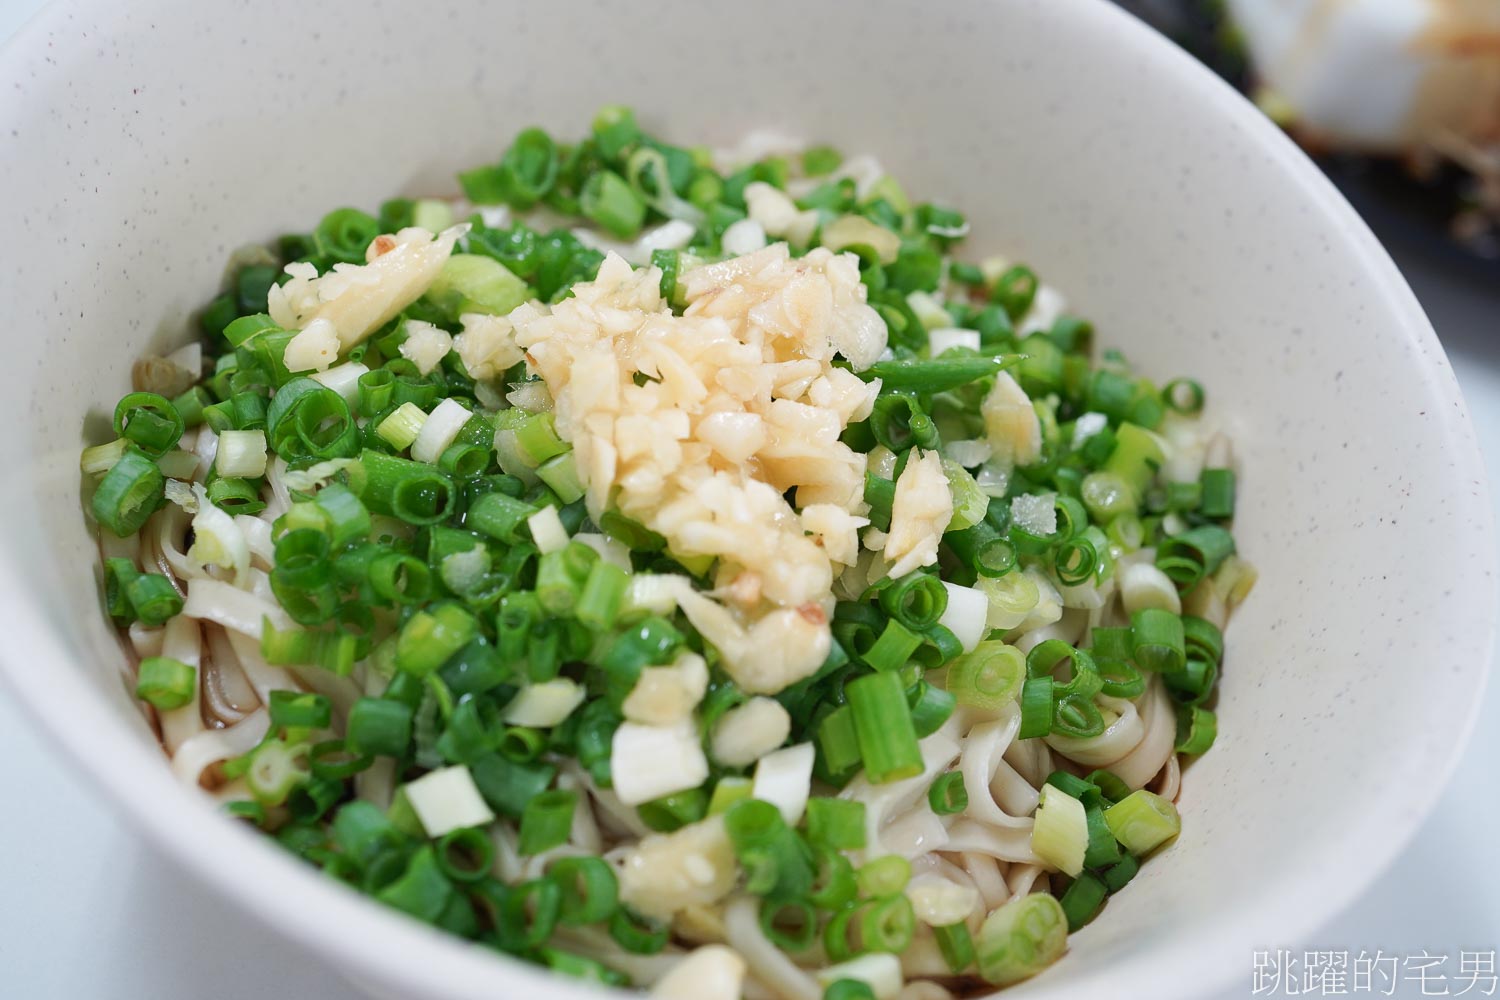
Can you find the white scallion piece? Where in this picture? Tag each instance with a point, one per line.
(784, 779)
(343, 379)
(648, 762)
(545, 704)
(1142, 585)
(241, 454)
(447, 800)
(881, 971)
(966, 615)
(547, 530)
(439, 430)
(943, 337)
(611, 550)
(98, 460)
(217, 540)
(1060, 835)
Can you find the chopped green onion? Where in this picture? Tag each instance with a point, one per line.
(465, 854)
(153, 597)
(935, 375)
(894, 647)
(129, 493)
(883, 876)
(1036, 708)
(1143, 821)
(931, 706)
(1157, 640)
(947, 796)
(300, 710)
(401, 427)
(1060, 834)
(956, 944)
(789, 924)
(883, 727)
(836, 824)
(546, 821)
(508, 786)
(1082, 899)
(610, 201)
(165, 683)
(1218, 493)
(1119, 875)
(917, 600)
(838, 746)
(379, 727)
(432, 636)
(1183, 395)
(889, 924)
(637, 935)
(989, 676)
(148, 421)
(1196, 729)
(1195, 553)
(415, 492)
(589, 890)
(1021, 938)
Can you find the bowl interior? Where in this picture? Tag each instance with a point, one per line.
(148, 140)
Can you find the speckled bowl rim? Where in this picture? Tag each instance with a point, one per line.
(397, 956)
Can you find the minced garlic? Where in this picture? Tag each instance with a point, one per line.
(698, 426)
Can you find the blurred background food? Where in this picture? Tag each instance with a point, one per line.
(1398, 100)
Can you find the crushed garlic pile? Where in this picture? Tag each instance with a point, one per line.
(699, 426)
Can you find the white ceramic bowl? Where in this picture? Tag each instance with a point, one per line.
(144, 140)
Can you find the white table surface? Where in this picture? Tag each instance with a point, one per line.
(89, 912)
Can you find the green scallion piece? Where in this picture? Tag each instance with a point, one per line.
(894, 647)
(838, 746)
(379, 727)
(1196, 729)
(1143, 821)
(989, 676)
(432, 636)
(129, 493)
(508, 786)
(1157, 641)
(546, 821)
(1197, 552)
(636, 934)
(935, 375)
(165, 683)
(465, 854)
(153, 597)
(947, 796)
(589, 891)
(956, 944)
(789, 924)
(917, 600)
(836, 824)
(1036, 708)
(300, 710)
(1083, 899)
(883, 727)
(883, 876)
(1021, 938)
